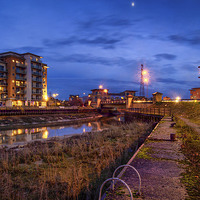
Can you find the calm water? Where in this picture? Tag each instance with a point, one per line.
(17, 136)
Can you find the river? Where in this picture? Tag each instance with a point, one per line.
(23, 135)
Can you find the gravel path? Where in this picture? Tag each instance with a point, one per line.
(158, 163)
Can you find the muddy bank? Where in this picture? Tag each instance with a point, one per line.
(15, 122)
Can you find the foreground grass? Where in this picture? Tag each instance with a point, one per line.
(191, 149)
(71, 168)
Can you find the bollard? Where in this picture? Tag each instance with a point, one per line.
(172, 136)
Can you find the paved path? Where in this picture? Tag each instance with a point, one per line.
(158, 163)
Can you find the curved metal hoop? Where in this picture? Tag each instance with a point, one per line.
(115, 179)
(140, 181)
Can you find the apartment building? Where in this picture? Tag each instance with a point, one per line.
(23, 80)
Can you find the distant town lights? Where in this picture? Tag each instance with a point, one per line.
(105, 90)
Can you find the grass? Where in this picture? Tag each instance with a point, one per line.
(191, 149)
(71, 168)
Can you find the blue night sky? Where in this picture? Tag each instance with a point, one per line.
(86, 42)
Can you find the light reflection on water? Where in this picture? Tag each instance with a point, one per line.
(15, 136)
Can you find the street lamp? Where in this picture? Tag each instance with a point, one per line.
(55, 95)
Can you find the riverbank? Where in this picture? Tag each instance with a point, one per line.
(35, 121)
(68, 168)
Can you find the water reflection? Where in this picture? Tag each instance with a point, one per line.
(15, 136)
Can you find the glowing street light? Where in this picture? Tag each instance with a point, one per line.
(100, 86)
(144, 72)
(178, 99)
(105, 90)
(55, 95)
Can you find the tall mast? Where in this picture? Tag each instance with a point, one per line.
(142, 82)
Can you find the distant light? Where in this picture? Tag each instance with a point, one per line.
(146, 80)
(55, 95)
(84, 93)
(100, 86)
(178, 99)
(144, 72)
(105, 90)
(132, 4)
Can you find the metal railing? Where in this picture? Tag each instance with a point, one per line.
(115, 179)
(140, 181)
(151, 111)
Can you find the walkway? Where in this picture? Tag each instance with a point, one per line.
(158, 163)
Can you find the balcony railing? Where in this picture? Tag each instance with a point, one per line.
(3, 84)
(20, 65)
(3, 91)
(34, 92)
(3, 76)
(37, 99)
(36, 60)
(21, 85)
(37, 86)
(20, 91)
(37, 80)
(20, 78)
(3, 70)
(20, 98)
(37, 73)
(36, 67)
(21, 71)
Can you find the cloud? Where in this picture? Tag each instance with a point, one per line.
(171, 81)
(192, 38)
(111, 21)
(90, 59)
(105, 42)
(165, 56)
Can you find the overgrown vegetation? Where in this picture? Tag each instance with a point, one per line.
(190, 110)
(191, 149)
(71, 168)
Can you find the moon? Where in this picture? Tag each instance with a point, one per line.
(132, 4)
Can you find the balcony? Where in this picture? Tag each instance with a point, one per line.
(37, 73)
(3, 76)
(20, 65)
(20, 71)
(20, 78)
(21, 85)
(20, 92)
(37, 79)
(37, 93)
(36, 60)
(3, 91)
(36, 67)
(37, 86)
(20, 98)
(3, 70)
(3, 84)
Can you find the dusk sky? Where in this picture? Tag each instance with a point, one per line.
(86, 42)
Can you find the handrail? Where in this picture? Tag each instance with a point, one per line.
(140, 181)
(117, 179)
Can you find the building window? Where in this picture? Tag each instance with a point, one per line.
(13, 95)
(13, 67)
